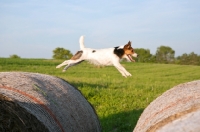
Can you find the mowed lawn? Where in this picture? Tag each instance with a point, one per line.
(118, 101)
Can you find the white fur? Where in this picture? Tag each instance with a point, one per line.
(98, 57)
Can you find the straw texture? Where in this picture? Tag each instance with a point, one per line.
(178, 109)
(50, 104)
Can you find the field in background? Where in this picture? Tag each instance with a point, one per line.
(118, 101)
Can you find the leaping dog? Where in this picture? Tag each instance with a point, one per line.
(105, 57)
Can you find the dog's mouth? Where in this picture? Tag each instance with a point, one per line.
(130, 58)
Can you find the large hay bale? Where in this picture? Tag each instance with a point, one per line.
(176, 110)
(38, 102)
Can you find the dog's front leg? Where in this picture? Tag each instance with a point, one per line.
(122, 70)
(123, 74)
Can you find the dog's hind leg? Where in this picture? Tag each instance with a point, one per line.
(63, 64)
(72, 60)
(72, 64)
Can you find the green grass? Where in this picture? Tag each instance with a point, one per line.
(118, 101)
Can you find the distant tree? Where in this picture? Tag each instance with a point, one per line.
(194, 59)
(165, 54)
(144, 55)
(14, 56)
(188, 59)
(183, 59)
(61, 53)
(153, 59)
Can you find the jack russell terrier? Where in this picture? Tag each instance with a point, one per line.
(105, 57)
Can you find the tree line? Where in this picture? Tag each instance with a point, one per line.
(164, 55)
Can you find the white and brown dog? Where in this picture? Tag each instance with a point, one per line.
(110, 56)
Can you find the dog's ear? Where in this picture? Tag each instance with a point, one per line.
(129, 43)
(127, 46)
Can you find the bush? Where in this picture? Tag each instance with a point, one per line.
(14, 56)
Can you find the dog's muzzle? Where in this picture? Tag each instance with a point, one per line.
(130, 58)
(135, 55)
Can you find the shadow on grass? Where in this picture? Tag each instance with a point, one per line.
(124, 121)
(121, 122)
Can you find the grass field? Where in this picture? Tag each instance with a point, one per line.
(118, 101)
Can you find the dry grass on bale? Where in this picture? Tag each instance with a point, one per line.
(178, 109)
(38, 102)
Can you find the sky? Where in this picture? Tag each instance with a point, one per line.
(34, 28)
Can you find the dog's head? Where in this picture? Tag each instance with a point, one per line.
(129, 52)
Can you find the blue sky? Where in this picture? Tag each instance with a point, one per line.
(34, 28)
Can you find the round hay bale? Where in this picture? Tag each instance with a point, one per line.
(43, 103)
(178, 109)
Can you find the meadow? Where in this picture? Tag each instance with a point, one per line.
(118, 101)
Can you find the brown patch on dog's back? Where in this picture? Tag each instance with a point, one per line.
(77, 55)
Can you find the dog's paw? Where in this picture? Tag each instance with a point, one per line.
(59, 66)
(63, 70)
(124, 76)
(128, 74)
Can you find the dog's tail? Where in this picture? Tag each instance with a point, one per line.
(81, 41)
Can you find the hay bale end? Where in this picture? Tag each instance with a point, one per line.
(178, 109)
(43, 103)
